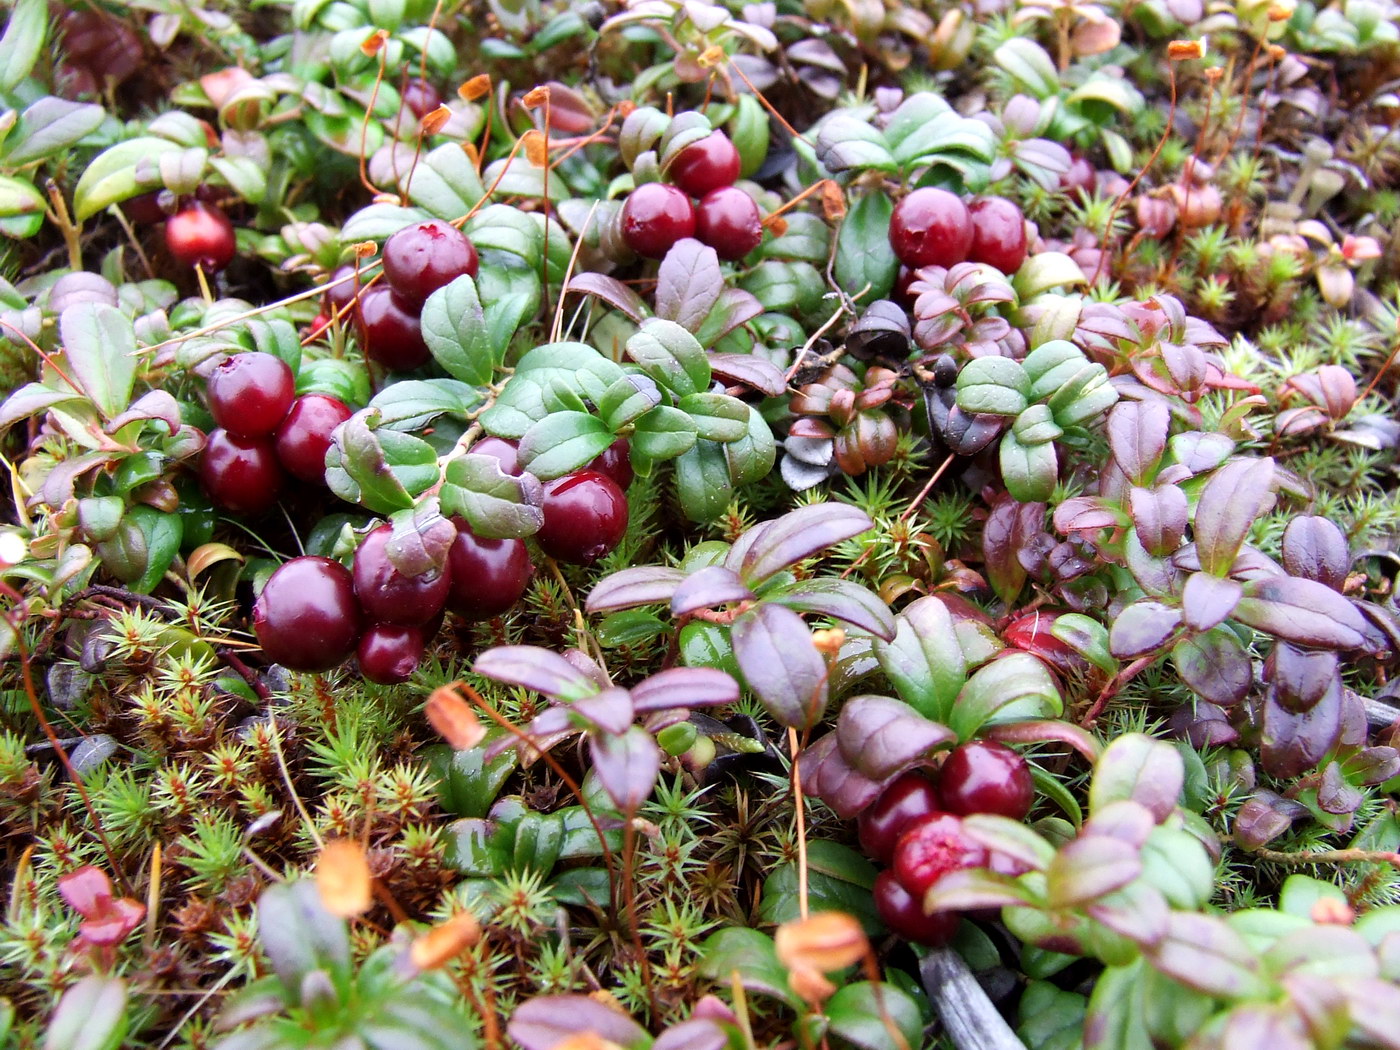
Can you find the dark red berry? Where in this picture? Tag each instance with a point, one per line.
(998, 234)
(616, 462)
(389, 653)
(905, 916)
(420, 97)
(241, 475)
(420, 259)
(931, 227)
(901, 292)
(306, 617)
(390, 331)
(906, 798)
(706, 165)
(387, 595)
(318, 325)
(1081, 178)
(585, 516)
(727, 220)
(305, 435)
(105, 44)
(488, 576)
(340, 291)
(199, 234)
(250, 394)
(983, 776)
(931, 847)
(504, 452)
(144, 209)
(654, 217)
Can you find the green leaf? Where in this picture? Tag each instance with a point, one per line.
(863, 253)
(120, 172)
(576, 366)
(378, 222)
(663, 433)
(924, 661)
(1114, 1019)
(1012, 688)
(49, 126)
(751, 458)
(563, 442)
(496, 505)
(99, 343)
(671, 356)
(752, 956)
(412, 404)
(380, 469)
(454, 327)
(1028, 63)
(854, 1014)
(627, 400)
(445, 182)
(21, 208)
(702, 480)
(1029, 472)
(91, 1015)
(1046, 270)
(162, 533)
(499, 228)
(838, 879)
(22, 42)
(995, 386)
(717, 417)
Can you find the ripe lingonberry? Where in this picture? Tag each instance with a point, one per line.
(420, 259)
(931, 847)
(306, 617)
(983, 776)
(387, 595)
(390, 331)
(904, 915)
(200, 234)
(906, 798)
(487, 576)
(931, 227)
(250, 394)
(654, 217)
(305, 435)
(998, 234)
(389, 653)
(706, 165)
(727, 220)
(240, 474)
(585, 516)
(615, 461)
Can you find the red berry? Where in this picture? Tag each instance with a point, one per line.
(200, 234)
(905, 916)
(931, 847)
(389, 653)
(103, 43)
(654, 217)
(340, 291)
(585, 516)
(931, 227)
(387, 595)
(420, 97)
(727, 220)
(983, 776)
(706, 165)
(615, 461)
(240, 474)
(908, 797)
(306, 617)
(305, 435)
(488, 576)
(998, 234)
(250, 394)
(144, 209)
(420, 259)
(390, 331)
(504, 451)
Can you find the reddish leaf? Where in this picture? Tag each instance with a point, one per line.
(1215, 665)
(797, 535)
(1207, 600)
(1315, 549)
(1009, 528)
(535, 668)
(1142, 627)
(841, 600)
(1137, 436)
(541, 1023)
(111, 924)
(708, 588)
(749, 370)
(880, 736)
(1299, 610)
(688, 283)
(781, 665)
(1159, 516)
(611, 291)
(1236, 494)
(627, 766)
(87, 890)
(684, 687)
(626, 588)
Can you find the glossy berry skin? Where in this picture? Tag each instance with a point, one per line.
(306, 617)
(241, 475)
(387, 595)
(983, 776)
(199, 234)
(905, 916)
(706, 165)
(931, 847)
(389, 653)
(305, 435)
(654, 217)
(585, 516)
(250, 394)
(727, 220)
(616, 462)
(420, 97)
(998, 234)
(420, 259)
(931, 227)
(340, 292)
(488, 576)
(390, 331)
(144, 209)
(905, 799)
(503, 451)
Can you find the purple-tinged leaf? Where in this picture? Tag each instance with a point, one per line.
(781, 665)
(1137, 911)
(1159, 516)
(155, 404)
(1010, 526)
(881, 736)
(1236, 494)
(750, 370)
(1010, 838)
(1089, 868)
(1334, 794)
(1375, 1010)
(1047, 731)
(1087, 514)
(581, 661)
(1207, 600)
(840, 600)
(735, 307)
(826, 775)
(1264, 818)
(1372, 765)
(611, 291)
(1142, 769)
(1215, 665)
(1276, 1026)
(708, 588)
(545, 1021)
(1156, 576)
(1123, 819)
(1137, 436)
(627, 588)
(609, 710)
(1204, 953)
(421, 539)
(552, 721)
(532, 667)
(968, 889)
(1142, 627)
(1299, 678)
(684, 687)
(699, 1033)
(627, 766)
(1302, 611)
(800, 534)
(1199, 451)
(1315, 549)
(924, 661)
(1293, 743)
(688, 283)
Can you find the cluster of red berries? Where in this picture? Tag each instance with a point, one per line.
(932, 227)
(97, 47)
(264, 433)
(418, 260)
(656, 214)
(915, 827)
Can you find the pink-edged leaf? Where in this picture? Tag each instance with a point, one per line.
(968, 889)
(735, 307)
(826, 775)
(1137, 435)
(1204, 953)
(1375, 1009)
(155, 404)
(1159, 516)
(1089, 868)
(532, 667)
(797, 535)
(708, 588)
(688, 283)
(1010, 838)
(781, 665)
(610, 710)
(86, 890)
(699, 1033)
(1236, 494)
(1207, 600)
(1087, 514)
(545, 1021)
(684, 687)
(1009, 528)
(755, 372)
(841, 600)
(611, 291)
(626, 588)
(1124, 819)
(880, 736)
(1047, 731)
(627, 766)
(1137, 767)
(1302, 611)
(1215, 665)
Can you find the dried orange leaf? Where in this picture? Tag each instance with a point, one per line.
(202, 557)
(445, 942)
(342, 878)
(826, 941)
(453, 718)
(536, 150)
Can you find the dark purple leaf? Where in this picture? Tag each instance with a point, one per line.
(708, 588)
(840, 600)
(1202, 725)
(688, 283)
(581, 661)
(534, 668)
(781, 665)
(1215, 665)
(1300, 677)
(1236, 494)
(882, 331)
(1142, 627)
(611, 291)
(1046, 731)
(609, 710)
(1302, 611)
(1315, 549)
(626, 588)
(545, 1021)
(1156, 576)
(1159, 516)
(1373, 765)
(1137, 436)
(552, 721)
(684, 687)
(1204, 953)
(750, 370)
(1137, 767)
(699, 1033)
(797, 535)
(1089, 868)
(1262, 819)
(1334, 794)
(1207, 600)
(627, 766)
(1010, 526)
(1291, 744)
(880, 736)
(826, 775)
